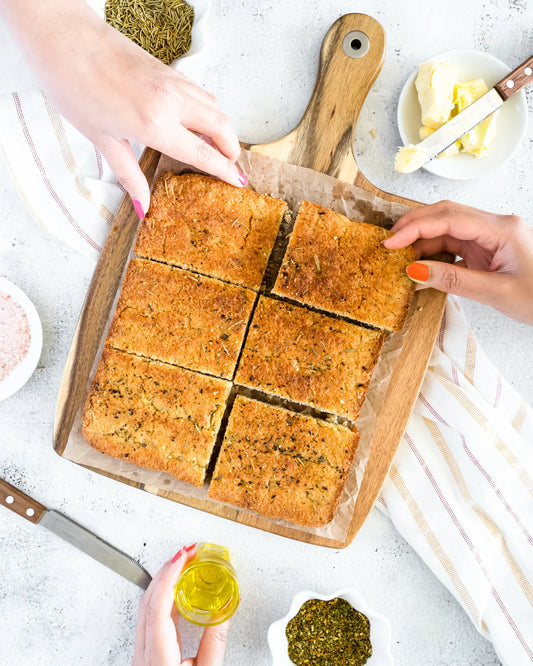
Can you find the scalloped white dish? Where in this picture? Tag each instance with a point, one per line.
(24, 370)
(380, 632)
(198, 34)
(511, 121)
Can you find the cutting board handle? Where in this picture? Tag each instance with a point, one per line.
(351, 58)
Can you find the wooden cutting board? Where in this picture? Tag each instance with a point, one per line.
(351, 58)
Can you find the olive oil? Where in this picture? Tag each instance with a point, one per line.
(207, 591)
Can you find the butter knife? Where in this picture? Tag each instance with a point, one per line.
(75, 534)
(463, 122)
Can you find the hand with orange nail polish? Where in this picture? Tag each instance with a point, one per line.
(495, 252)
(157, 639)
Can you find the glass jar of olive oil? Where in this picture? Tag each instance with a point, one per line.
(207, 591)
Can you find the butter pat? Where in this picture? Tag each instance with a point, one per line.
(410, 158)
(476, 142)
(467, 92)
(435, 85)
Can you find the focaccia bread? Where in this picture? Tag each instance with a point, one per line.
(154, 415)
(282, 464)
(309, 357)
(172, 315)
(338, 265)
(208, 226)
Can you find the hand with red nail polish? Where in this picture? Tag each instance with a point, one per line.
(495, 251)
(157, 640)
(114, 92)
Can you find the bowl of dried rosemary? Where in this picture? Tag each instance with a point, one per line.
(330, 629)
(170, 30)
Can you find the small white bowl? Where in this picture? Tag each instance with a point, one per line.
(380, 632)
(511, 122)
(198, 33)
(24, 370)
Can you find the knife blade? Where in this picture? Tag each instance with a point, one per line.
(73, 533)
(463, 122)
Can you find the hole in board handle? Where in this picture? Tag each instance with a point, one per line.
(355, 44)
(30, 512)
(10, 499)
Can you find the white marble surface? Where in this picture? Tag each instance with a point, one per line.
(59, 607)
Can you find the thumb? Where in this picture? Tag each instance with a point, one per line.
(122, 161)
(212, 645)
(482, 286)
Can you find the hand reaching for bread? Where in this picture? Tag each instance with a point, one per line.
(496, 252)
(114, 92)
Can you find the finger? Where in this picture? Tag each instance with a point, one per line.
(161, 600)
(474, 255)
(427, 247)
(140, 631)
(484, 287)
(160, 604)
(175, 617)
(440, 209)
(211, 122)
(447, 218)
(189, 148)
(212, 645)
(122, 161)
(483, 231)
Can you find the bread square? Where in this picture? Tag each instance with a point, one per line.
(309, 357)
(208, 226)
(172, 315)
(154, 415)
(339, 265)
(282, 464)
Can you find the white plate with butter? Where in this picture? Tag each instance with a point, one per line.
(510, 123)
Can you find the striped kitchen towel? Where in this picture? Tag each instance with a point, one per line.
(460, 489)
(67, 186)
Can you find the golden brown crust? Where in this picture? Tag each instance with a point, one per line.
(339, 265)
(282, 464)
(154, 415)
(205, 225)
(172, 315)
(309, 357)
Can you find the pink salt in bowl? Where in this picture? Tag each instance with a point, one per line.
(21, 338)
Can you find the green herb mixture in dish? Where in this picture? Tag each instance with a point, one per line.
(161, 27)
(329, 633)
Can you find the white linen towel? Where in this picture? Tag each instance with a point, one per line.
(460, 489)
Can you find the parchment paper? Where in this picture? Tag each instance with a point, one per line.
(293, 184)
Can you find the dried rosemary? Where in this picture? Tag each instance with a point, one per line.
(161, 27)
(329, 633)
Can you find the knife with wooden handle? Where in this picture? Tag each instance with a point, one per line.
(75, 534)
(472, 115)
